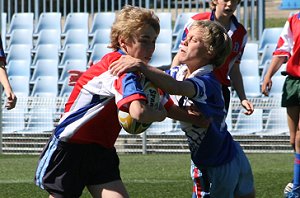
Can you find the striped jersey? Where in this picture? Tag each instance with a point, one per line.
(90, 115)
(2, 55)
(214, 145)
(289, 45)
(239, 37)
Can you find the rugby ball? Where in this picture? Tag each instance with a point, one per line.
(129, 124)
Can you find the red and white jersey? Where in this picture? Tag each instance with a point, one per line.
(90, 115)
(289, 45)
(239, 37)
(2, 55)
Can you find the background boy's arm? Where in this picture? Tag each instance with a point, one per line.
(11, 99)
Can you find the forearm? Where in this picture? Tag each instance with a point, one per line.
(275, 64)
(4, 79)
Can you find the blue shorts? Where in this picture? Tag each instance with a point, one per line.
(227, 181)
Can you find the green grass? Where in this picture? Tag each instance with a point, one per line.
(150, 176)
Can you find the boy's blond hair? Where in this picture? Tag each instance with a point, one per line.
(129, 21)
(213, 4)
(215, 39)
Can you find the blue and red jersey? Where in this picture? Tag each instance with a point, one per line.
(238, 35)
(90, 115)
(289, 45)
(214, 145)
(2, 54)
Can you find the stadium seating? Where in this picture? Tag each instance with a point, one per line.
(49, 52)
(40, 119)
(73, 52)
(48, 36)
(65, 89)
(165, 20)
(98, 52)
(71, 65)
(18, 68)
(76, 36)
(181, 20)
(20, 85)
(21, 37)
(13, 120)
(252, 86)
(45, 86)
(45, 67)
(48, 20)
(19, 52)
(162, 55)
(101, 36)
(276, 122)
(177, 42)
(102, 20)
(165, 36)
(267, 53)
(269, 36)
(277, 84)
(76, 20)
(21, 21)
(249, 67)
(266, 67)
(249, 124)
(289, 5)
(250, 51)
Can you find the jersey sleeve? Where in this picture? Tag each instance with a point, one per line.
(128, 89)
(285, 42)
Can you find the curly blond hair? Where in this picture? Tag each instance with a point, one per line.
(215, 39)
(129, 21)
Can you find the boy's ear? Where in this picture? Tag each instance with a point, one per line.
(122, 44)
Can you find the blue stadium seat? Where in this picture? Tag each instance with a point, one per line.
(21, 21)
(181, 20)
(21, 37)
(40, 120)
(19, 52)
(65, 89)
(165, 20)
(276, 122)
(102, 20)
(48, 36)
(18, 68)
(250, 51)
(249, 124)
(177, 42)
(269, 36)
(48, 20)
(45, 86)
(46, 52)
(249, 67)
(162, 55)
(73, 52)
(13, 120)
(165, 36)
(277, 85)
(76, 20)
(267, 53)
(20, 85)
(98, 52)
(76, 36)
(3, 29)
(45, 67)
(252, 86)
(71, 65)
(289, 5)
(101, 36)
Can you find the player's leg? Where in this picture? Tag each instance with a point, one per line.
(115, 189)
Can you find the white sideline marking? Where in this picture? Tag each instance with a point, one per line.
(15, 181)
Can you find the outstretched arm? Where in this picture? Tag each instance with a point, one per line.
(159, 78)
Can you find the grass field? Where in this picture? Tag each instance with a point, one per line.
(150, 176)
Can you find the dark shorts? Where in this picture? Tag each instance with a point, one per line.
(291, 92)
(71, 167)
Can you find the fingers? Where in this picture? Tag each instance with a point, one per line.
(248, 106)
(11, 102)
